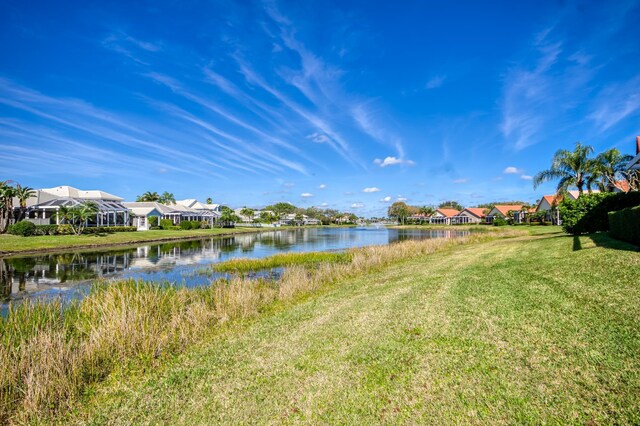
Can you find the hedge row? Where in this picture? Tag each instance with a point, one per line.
(26, 229)
(589, 213)
(625, 225)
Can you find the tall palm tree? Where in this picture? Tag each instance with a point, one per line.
(609, 167)
(7, 192)
(148, 196)
(572, 168)
(167, 198)
(23, 193)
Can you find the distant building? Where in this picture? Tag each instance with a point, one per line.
(443, 216)
(469, 215)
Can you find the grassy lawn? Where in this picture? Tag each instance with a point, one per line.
(15, 244)
(535, 329)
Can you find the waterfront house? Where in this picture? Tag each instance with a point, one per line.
(43, 206)
(142, 211)
(502, 211)
(443, 216)
(469, 215)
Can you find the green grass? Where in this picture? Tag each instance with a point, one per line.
(16, 244)
(243, 265)
(528, 330)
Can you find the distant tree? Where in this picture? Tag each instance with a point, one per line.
(267, 217)
(23, 193)
(282, 208)
(248, 213)
(399, 211)
(227, 217)
(167, 198)
(209, 201)
(148, 197)
(570, 168)
(426, 210)
(450, 205)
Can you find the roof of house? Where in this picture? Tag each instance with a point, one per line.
(622, 185)
(506, 208)
(141, 206)
(71, 192)
(574, 193)
(448, 212)
(552, 200)
(476, 211)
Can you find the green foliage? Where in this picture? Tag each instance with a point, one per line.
(64, 229)
(24, 228)
(589, 213)
(499, 221)
(46, 230)
(625, 225)
(281, 208)
(451, 205)
(185, 224)
(153, 220)
(108, 229)
(166, 223)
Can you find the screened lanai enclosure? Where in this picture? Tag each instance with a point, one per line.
(110, 212)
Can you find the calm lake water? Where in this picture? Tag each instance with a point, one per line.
(68, 274)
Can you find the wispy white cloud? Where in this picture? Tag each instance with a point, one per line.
(386, 199)
(322, 186)
(306, 195)
(615, 103)
(357, 205)
(526, 177)
(371, 189)
(462, 180)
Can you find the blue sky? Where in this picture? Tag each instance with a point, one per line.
(346, 104)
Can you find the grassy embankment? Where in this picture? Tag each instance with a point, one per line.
(53, 355)
(535, 329)
(11, 244)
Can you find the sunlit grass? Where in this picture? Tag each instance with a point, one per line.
(243, 265)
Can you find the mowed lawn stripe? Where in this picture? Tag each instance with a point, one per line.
(529, 331)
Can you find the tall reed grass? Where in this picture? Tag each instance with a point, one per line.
(50, 354)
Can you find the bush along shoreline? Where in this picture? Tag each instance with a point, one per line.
(51, 355)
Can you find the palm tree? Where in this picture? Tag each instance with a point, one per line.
(248, 213)
(148, 196)
(570, 167)
(167, 198)
(209, 200)
(7, 192)
(23, 193)
(609, 167)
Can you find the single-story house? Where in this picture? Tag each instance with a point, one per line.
(549, 205)
(419, 217)
(443, 216)
(142, 211)
(469, 215)
(503, 210)
(43, 206)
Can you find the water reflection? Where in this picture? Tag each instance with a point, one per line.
(66, 274)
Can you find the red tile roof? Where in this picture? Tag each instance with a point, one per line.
(504, 209)
(448, 212)
(476, 211)
(622, 185)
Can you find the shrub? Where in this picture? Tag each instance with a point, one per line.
(185, 224)
(625, 225)
(498, 221)
(24, 228)
(166, 223)
(108, 229)
(153, 221)
(46, 230)
(64, 229)
(589, 213)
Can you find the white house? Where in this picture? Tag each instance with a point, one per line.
(43, 206)
(142, 211)
(502, 211)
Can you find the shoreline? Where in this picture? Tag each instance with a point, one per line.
(199, 234)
